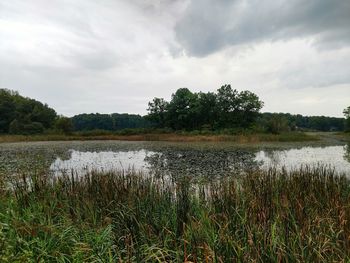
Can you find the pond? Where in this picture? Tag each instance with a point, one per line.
(175, 159)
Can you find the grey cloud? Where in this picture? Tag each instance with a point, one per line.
(211, 25)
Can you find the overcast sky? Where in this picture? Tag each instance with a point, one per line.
(116, 55)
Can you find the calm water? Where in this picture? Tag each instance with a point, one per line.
(172, 159)
(334, 156)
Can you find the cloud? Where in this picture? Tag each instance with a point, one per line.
(116, 55)
(211, 25)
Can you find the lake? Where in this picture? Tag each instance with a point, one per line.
(175, 159)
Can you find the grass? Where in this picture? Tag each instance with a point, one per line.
(171, 137)
(260, 216)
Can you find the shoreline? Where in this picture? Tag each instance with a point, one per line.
(327, 138)
(168, 137)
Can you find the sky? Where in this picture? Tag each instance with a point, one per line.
(87, 56)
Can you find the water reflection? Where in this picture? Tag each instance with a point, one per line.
(81, 163)
(334, 156)
(347, 152)
(173, 160)
(174, 163)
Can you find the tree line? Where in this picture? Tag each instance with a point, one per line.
(225, 109)
(284, 122)
(20, 115)
(109, 122)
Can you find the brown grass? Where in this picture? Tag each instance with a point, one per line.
(171, 137)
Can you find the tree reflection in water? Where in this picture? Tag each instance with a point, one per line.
(347, 152)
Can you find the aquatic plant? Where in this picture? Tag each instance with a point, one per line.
(260, 216)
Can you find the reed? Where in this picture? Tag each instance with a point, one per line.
(172, 137)
(260, 216)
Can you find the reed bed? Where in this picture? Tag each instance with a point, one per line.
(260, 216)
(171, 137)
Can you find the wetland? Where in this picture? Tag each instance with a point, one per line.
(142, 201)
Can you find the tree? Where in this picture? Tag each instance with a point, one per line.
(31, 116)
(181, 110)
(347, 116)
(249, 106)
(227, 108)
(277, 123)
(7, 110)
(206, 110)
(64, 124)
(237, 109)
(157, 112)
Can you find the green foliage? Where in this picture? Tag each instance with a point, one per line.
(271, 216)
(281, 122)
(108, 122)
(64, 124)
(275, 123)
(227, 108)
(20, 115)
(28, 128)
(157, 111)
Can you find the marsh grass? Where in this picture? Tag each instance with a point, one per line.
(165, 136)
(260, 216)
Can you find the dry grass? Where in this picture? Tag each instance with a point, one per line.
(171, 137)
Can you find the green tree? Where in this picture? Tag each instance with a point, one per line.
(7, 110)
(158, 111)
(64, 124)
(31, 116)
(277, 123)
(206, 110)
(182, 110)
(249, 107)
(15, 127)
(228, 105)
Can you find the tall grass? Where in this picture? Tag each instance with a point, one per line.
(262, 216)
(157, 135)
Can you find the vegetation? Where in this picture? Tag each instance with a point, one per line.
(64, 124)
(163, 135)
(283, 122)
(226, 111)
(108, 122)
(227, 108)
(271, 216)
(20, 115)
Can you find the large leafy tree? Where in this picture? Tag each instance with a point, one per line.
(182, 109)
(249, 107)
(237, 109)
(157, 111)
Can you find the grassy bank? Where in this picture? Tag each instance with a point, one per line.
(272, 216)
(171, 137)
